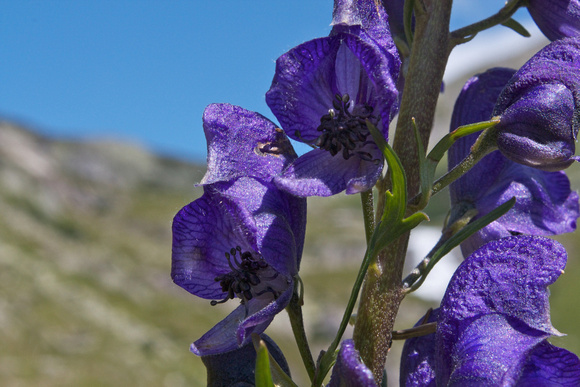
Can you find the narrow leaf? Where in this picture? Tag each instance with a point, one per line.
(263, 374)
(455, 240)
(517, 27)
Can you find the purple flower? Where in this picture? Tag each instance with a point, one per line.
(237, 367)
(539, 108)
(556, 18)
(243, 238)
(349, 370)
(494, 322)
(545, 205)
(325, 89)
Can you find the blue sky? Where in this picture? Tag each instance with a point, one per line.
(143, 71)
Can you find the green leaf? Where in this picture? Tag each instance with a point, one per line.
(268, 371)
(263, 374)
(517, 27)
(392, 224)
(446, 142)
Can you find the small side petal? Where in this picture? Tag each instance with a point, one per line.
(203, 231)
(234, 331)
(349, 370)
(318, 173)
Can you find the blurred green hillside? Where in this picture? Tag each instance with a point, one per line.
(86, 296)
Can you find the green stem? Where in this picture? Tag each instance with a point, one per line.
(368, 213)
(485, 144)
(294, 310)
(467, 33)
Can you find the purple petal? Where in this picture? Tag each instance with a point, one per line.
(508, 277)
(489, 352)
(234, 331)
(308, 77)
(548, 365)
(536, 130)
(542, 100)
(280, 220)
(318, 173)
(418, 358)
(545, 204)
(349, 370)
(368, 20)
(203, 231)
(242, 143)
(556, 18)
(243, 213)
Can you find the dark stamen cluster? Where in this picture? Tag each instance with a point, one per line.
(243, 277)
(345, 131)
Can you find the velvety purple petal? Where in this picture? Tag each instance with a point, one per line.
(508, 277)
(308, 76)
(557, 19)
(318, 173)
(367, 19)
(262, 318)
(548, 365)
(349, 370)
(237, 367)
(418, 358)
(536, 130)
(489, 352)
(203, 231)
(243, 143)
(545, 204)
(234, 331)
(540, 85)
(279, 218)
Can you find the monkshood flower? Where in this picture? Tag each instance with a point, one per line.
(494, 322)
(243, 238)
(540, 108)
(237, 367)
(349, 370)
(323, 92)
(557, 19)
(545, 205)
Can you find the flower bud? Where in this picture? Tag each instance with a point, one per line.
(539, 108)
(537, 129)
